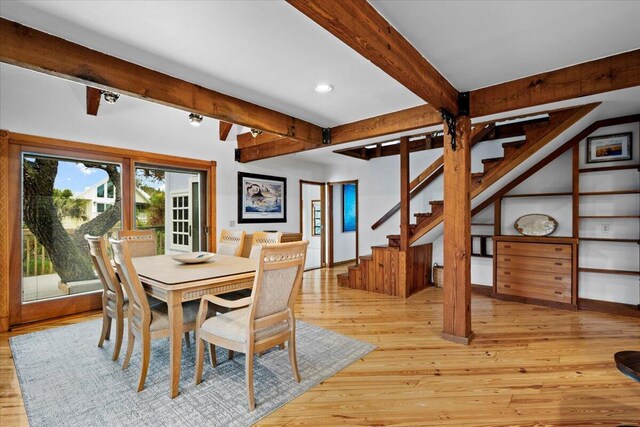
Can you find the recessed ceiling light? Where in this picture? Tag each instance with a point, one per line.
(255, 132)
(324, 88)
(195, 119)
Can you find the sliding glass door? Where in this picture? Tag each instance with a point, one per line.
(169, 202)
(62, 200)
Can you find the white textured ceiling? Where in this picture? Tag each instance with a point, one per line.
(269, 53)
(481, 43)
(262, 51)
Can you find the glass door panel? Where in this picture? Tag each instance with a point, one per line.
(62, 200)
(169, 201)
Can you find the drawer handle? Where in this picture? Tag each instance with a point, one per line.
(507, 259)
(558, 292)
(506, 273)
(559, 263)
(507, 246)
(507, 286)
(558, 278)
(558, 249)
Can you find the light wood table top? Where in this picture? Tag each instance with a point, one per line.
(163, 270)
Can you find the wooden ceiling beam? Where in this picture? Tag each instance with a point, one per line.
(399, 121)
(93, 100)
(590, 78)
(359, 25)
(223, 130)
(29, 48)
(247, 140)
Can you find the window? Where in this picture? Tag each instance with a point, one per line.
(55, 217)
(180, 221)
(100, 191)
(110, 189)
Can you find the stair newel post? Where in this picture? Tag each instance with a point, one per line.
(457, 232)
(403, 262)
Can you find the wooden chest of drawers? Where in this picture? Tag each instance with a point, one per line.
(536, 269)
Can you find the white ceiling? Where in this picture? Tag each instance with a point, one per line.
(481, 43)
(269, 53)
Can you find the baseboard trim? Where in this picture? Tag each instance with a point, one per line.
(458, 339)
(609, 307)
(482, 290)
(349, 261)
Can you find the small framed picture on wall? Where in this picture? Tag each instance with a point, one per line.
(609, 148)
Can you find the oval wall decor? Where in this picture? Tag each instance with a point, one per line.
(536, 225)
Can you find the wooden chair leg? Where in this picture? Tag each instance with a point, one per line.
(130, 344)
(212, 355)
(248, 366)
(106, 329)
(186, 338)
(144, 363)
(293, 358)
(119, 333)
(199, 359)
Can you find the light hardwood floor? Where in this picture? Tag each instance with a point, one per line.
(528, 365)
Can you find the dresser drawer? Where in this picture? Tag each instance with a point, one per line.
(559, 265)
(542, 250)
(534, 291)
(556, 280)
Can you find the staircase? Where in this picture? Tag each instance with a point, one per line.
(375, 272)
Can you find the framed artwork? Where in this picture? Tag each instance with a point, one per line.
(316, 218)
(609, 148)
(261, 198)
(348, 207)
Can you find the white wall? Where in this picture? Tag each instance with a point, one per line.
(344, 243)
(610, 255)
(37, 104)
(310, 192)
(555, 177)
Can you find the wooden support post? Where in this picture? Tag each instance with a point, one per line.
(4, 231)
(497, 217)
(404, 275)
(457, 234)
(575, 165)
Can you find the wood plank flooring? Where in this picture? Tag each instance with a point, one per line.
(528, 365)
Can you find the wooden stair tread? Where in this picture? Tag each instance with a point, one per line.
(514, 144)
(436, 202)
(492, 160)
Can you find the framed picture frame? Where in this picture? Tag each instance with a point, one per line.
(261, 198)
(609, 148)
(316, 218)
(348, 208)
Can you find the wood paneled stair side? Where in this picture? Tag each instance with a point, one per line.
(537, 135)
(379, 272)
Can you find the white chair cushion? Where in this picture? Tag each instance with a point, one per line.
(234, 324)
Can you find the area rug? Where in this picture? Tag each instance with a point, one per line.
(67, 380)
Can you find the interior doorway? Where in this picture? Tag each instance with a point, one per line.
(312, 222)
(342, 218)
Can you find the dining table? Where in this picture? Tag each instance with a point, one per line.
(175, 283)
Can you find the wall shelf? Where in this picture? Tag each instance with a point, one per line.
(602, 239)
(609, 271)
(610, 193)
(609, 168)
(536, 195)
(609, 216)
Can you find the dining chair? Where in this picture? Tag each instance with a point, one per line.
(146, 322)
(114, 302)
(231, 242)
(141, 242)
(261, 321)
(263, 238)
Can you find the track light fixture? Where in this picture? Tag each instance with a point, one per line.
(195, 119)
(255, 132)
(110, 97)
